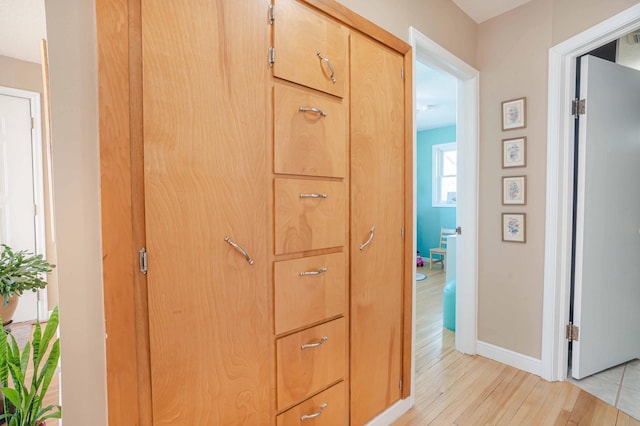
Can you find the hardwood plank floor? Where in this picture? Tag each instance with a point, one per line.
(456, 389)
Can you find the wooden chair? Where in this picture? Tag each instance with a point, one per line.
(441, 251)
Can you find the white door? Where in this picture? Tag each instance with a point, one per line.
(607, 258)
(17, 212)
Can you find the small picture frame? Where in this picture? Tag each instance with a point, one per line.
(514, 229)
(514, 190)
(514, 152)
(514, 114)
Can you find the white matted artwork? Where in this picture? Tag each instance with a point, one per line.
(514, 227)
(514, 190)
(514, 152)
(514, 114)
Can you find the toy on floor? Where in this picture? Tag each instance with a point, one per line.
(419, 261)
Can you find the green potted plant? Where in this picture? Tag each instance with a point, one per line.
(23, 391)
(19, 271)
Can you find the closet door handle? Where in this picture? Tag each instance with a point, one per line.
(318, 272)
(314, 415)
(333, 72)
(313, 109)
(240, 249)
(315, 344)
(371, 235)
(314, 195)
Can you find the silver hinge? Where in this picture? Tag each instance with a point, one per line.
(578, 107)
(459, 230)
(400, 384)
(35, 210)
(33, 123)
(573, 332)
(144, 261)
(272, 56)
(402, 73)
(272, 14)
(402, 232)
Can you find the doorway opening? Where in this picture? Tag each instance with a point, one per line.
(432, 55)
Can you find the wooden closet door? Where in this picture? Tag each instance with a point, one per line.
(377, 188)
(206, 121)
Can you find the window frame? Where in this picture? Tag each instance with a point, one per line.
(437, 156)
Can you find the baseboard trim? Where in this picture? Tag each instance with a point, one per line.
(392, 413)
(514, 359)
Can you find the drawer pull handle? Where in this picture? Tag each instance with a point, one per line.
(313, 109)
(314, 415)
(366, 243)
(240, 249)
(315, 344)
(314, 195)
(318, 272)
(333, 73)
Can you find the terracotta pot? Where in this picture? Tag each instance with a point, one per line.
(7, 311)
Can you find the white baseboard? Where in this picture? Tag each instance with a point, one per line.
(514, 359)
(392, 413)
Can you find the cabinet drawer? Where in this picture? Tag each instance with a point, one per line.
(309, 215)
(330, 405)
(309, 361)
(308, 142)
(300, 37)
(309, 290)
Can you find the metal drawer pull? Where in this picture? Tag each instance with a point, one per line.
(333, 73)
(318, 272)
(314, 195)
(316, 344)
(366, 243)
(313, 109)
(240, 249)
(314, 415)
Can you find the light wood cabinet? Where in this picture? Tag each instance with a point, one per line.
(328, 408)
(309, 290)
(310, 360)
(309, 215)
(311, 132)
(310, 49)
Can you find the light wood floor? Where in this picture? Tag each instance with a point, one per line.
(456, 389)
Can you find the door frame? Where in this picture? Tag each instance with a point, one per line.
(559, 200)
(467, 139)
(37, 165)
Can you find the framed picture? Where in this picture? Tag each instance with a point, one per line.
(514, 227)
(514, 152)
(514, 114)
(514, 190)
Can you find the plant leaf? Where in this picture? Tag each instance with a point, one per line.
(12, 395)
(49, 368)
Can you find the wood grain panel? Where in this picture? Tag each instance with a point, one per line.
(309, 223)
(377, 192)
(308, 143)
(357, 22)
(206, 113)
(303, 372)
(305, 299)
(116, 203)
(299, 34)
(330, 403)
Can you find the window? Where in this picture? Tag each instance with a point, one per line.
(445, 166)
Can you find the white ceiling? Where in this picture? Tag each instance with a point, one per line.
(436, 94)
(482, 10)
(22, 26)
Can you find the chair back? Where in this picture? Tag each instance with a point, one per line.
(444, 233)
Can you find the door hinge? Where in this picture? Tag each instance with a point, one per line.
(272, 56)
(35, 210)
(578, 107)
(459, 230)
(402, 73)
(400, 384)
(272, 14)
(144, 260)
(573, 332)
(402, 232)
(33, 123)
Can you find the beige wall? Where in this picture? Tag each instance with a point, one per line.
(74, 117)
(25, 75)
(512, 57)
(440, 20)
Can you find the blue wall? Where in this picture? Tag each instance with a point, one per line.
(431, 219)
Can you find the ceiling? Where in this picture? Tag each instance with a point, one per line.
(482, 10)
(22, 26)
(436, 94)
